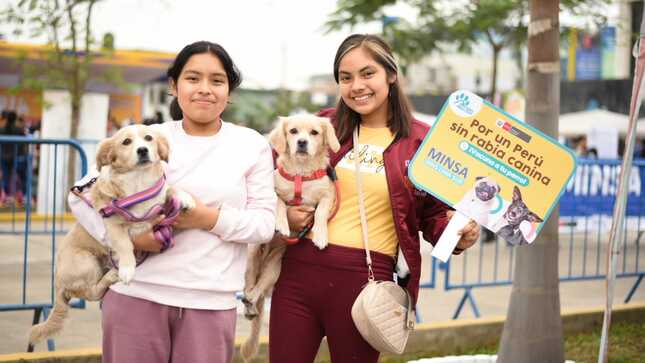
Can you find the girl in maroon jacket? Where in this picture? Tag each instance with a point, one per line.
(316, 289)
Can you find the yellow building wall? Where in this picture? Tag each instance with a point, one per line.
(27, 104)
(124, 106)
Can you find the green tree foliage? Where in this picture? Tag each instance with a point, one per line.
(260, 109)
(67, 26)
(108, 42)
(444, 24)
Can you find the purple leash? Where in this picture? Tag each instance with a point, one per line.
(162, 231)
(120, 206)
(171, 209)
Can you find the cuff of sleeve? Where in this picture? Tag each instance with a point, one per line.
(225, 221)
(93, 226)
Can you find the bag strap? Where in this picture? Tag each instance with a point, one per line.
(361, 205)
(361, 209)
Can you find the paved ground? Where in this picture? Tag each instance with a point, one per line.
(83, 328)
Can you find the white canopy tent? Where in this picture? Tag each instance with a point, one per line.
(583, 122)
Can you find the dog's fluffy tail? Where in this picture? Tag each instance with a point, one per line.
(249, 348)
(54, 322)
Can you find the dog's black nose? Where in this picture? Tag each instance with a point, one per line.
(302, 143)
(142, 151)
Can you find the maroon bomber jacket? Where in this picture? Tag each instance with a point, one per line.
(413, 210)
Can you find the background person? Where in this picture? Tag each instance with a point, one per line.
(13, 159)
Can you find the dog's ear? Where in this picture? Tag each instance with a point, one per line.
(516, 193)
(532, 217)
(499, 189)
(104, 155)
(162, 147)
(278, 138)
(330, 135)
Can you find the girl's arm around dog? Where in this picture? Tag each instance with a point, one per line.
(90, 219)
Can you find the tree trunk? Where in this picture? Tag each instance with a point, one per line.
(533, 327)
(517, 55)
(72, 153)
(493, 81)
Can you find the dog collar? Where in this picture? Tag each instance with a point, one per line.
(313, 176)
(297, 180)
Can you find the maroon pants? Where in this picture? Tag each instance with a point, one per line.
(142, 331)
(313, 298)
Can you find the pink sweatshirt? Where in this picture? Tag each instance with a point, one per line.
(232, 169)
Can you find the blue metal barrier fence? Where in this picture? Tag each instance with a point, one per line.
(37, 169)
(34, 186)
(585, 219)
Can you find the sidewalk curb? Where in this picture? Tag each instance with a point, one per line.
(443, 337)
(19, 216)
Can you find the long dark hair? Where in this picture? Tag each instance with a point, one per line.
(232, 73)
(399, 109)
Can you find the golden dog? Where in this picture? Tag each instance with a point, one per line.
(301, 143)
(128, 162)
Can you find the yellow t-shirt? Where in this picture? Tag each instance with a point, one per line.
(345, 228)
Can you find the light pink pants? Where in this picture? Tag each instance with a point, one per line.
(141, 331)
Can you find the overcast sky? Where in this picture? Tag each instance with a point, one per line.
(273, 42)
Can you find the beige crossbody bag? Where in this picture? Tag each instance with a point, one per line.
(383, 311)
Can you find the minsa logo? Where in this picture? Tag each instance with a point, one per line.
(462, 101)
(465, 103)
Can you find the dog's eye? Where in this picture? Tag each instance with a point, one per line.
(314, 132)
(293, 131)
(147, 138)
(126, 142)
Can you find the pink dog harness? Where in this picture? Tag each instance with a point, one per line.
(171, 208)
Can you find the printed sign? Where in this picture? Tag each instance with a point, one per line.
(492, 167)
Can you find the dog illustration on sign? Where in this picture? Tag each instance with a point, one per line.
(518, 224)
(513, 221)
(481, 201)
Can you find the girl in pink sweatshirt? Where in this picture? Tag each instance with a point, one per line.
(180, 307)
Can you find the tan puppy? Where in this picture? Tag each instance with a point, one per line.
(302, 143)
(128, 162)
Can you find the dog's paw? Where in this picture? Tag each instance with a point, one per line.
(112, 276)
(319, 240)
(319, 236)
(126, 274)
(186, 200)
(283, 228)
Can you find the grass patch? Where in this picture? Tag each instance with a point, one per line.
(626, 345)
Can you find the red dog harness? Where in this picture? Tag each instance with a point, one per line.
(297, 180)
(297, 195)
